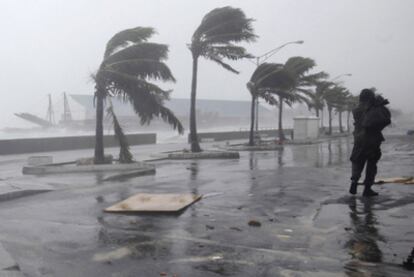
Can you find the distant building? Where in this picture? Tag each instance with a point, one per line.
(209, 112)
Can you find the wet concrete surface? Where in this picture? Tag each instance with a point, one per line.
(309, 225)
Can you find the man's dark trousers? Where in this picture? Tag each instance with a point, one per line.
(365, 156)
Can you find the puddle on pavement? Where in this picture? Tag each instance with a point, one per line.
(331, 215)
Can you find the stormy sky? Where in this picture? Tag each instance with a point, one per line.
(51, 46)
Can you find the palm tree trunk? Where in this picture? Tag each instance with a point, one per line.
(322, 118)
(252, 114)
(281, 135)
(99, 146)
(341, 129)
(319, 123)
(330, 120)
(195, 146)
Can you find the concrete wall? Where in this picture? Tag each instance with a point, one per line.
(32, 145)
(234, 135)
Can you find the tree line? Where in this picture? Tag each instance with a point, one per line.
(132, 65)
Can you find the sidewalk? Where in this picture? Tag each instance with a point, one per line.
(8, 266)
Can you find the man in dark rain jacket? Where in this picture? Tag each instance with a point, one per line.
(370, 118)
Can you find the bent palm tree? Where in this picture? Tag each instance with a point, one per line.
(266, 80)
(299, 86)
(318, 99)
(334, 98)
(318, 102)
(128, 65)
(341, 105)
(290, 82)
(351, 103)
(215, 39)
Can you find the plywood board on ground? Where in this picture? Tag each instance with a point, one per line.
(398, 180)
(148, 202)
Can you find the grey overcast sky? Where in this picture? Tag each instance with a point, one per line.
(51, 46)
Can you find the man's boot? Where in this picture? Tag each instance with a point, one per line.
(353, 188)
(368, 192)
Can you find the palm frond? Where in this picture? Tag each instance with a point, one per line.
(168, 116)
(307, 92)
(121, 83)
(264, 70)
(223, 25)
(303, 99)
(144, 50)
(149, 107)
(223, 64)
(269, 75)
(269, 98)
(143, 69)
(312, 79)
(298, 66)
(146, 98)
(229, 51)
(123, 38)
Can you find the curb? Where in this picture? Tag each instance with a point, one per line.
(131, 174)
(58, 169)
(204, 155)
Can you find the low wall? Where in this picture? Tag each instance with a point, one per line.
(32, 145)
(234, 135)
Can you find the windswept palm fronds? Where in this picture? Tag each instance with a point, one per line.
(216, 39)
(291, 82)
(130, 66)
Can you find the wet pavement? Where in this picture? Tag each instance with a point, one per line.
(309, 225)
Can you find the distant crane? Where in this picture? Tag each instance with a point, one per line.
(67, 115)
(50, 114)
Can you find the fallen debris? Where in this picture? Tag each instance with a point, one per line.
(409, 264)
(254, 223)
(396, 180)
(210, 227)
(212, 194)
(407, 180)
(147, 202)
(411, 182)
(236, 229)
(116, 254)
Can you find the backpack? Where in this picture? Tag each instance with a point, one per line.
(377, 118)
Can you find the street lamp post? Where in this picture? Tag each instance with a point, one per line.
(261, 59)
